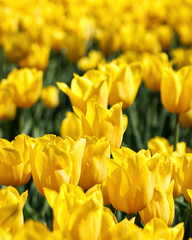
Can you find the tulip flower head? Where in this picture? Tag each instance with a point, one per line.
(176, 88)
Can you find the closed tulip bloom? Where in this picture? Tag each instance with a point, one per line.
(153, 66)
(161, 206)
(176, 88)
(50, 96)
(82, 212)
(185, 177)
(27, 84)
(185, 119)
(11, 208)
(71, 126)
(125, 82)
(127, 192)
(101, 122)
(15, 164)
(56, 161)
(94, 165)
(86, 88)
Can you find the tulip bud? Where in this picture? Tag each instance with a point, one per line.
(50, 96)
(94, 166)
(176, 88)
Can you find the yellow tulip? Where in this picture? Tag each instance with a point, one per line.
(7, 106)
(83, 212)
(176, 88)
(158, 229)
(185, 119)
(15, 164)
(185, 174)
(161, 206)
(91, 62)
(125, 81)
(94, 165)
(56, 161)
(101, 122)
(71, 126)
(127, 192)
(153, 66)
(11, 207)
(27, 84)
(91, 86)
(164, 172)
(5, 235)
(159, 145)
(50, 96)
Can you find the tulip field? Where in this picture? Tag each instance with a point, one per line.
(95, 120)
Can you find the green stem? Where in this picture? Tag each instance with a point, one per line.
(176, 132)
(21, 120)
(135, 131)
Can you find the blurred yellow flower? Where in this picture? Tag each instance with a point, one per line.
(50, 96)
(16, 45)
(127, 192)
(7, 106)
(56, 161)
(71, 126)
(176, 88)
(101, 122)
(36, 57)
(15, 164)
(75, 47)
(94, 165)
(165, 35)
(27, 84)
(11, 208)
(91, 62)
(153, 66)
(82, 211)
(91, 86)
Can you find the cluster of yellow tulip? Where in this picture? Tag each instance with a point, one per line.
(89, 175)
(28, 34)
(146, 182)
